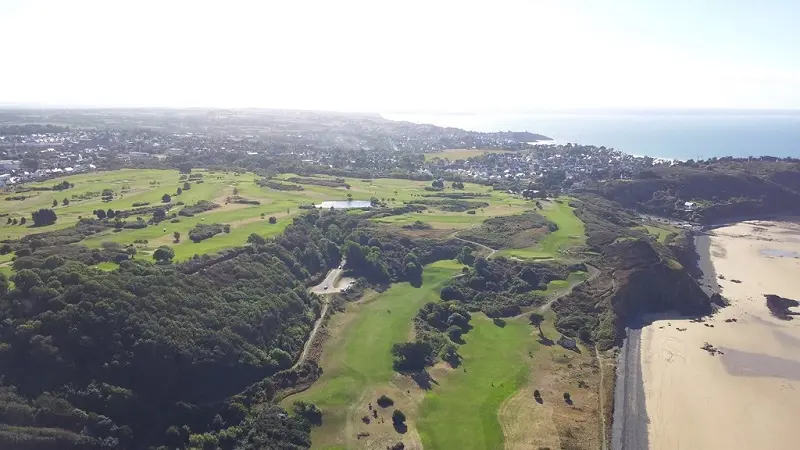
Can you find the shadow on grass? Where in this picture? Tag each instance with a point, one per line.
(423, 379)
(499, 322)
(400, 427)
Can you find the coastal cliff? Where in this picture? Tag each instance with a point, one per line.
(717, 192)
(638, 276)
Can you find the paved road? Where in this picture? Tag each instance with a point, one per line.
(629, 430)
(334, 276)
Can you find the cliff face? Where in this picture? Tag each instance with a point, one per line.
(646, 281)
(638, 276)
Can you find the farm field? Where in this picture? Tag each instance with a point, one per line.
(357, 360)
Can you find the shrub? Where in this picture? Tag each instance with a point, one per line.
(385, 401)
(44, 217)
(398, 418)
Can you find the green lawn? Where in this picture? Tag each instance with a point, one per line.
(660, 232)
(461, 412)
(455, 154)
(361, 358)
(570, 233)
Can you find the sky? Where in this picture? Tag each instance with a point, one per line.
(402, 56)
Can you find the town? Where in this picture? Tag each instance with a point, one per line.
(294, 141)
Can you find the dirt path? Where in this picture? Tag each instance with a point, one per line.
(491, 250)
(604, 442)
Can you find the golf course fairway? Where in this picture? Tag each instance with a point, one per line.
(461, 412)
(358, 357)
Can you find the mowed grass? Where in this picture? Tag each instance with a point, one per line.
(660, 232)
(462, 153)
(358, 357)
(461, 412)
(570, 233)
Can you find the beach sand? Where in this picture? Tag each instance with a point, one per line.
(749, 396)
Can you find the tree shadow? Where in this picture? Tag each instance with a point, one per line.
(568, 401)
(545, 341)
(539, 400)
(423, 379)
(453, 360)
(499, 322)
(400, 427)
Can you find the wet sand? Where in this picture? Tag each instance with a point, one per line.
(749, 395)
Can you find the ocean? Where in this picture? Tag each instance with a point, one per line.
(659, 134)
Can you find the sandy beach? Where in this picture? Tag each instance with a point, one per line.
(747, 396)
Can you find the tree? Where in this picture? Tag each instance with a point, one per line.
(458, 185)
(185, 168)
(256, 239)
(8, 222)
(412, 355)
(235, 191)
(166, 198)
(44, 217)
(349, 197)
(65, 202)
(14, 221)
(164, 254)
(159, 215)
(22, 220)
(179, 191)
(107, 195)
(273, 220)
(384, 401)
(100, 213)
(536, 320)
(111, 213)
(186, 186)
(3, 284)
(25, 280)
(55, 203)
(29, 164)
(308, 411)
(398, 418)
(438, 184)
(567, 397)
(176, 237)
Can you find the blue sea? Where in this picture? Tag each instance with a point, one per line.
(664, 134)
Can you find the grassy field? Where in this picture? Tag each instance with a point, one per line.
(138, 186)
(357, 358)
(660, 231)
(570, 233)
(461, 412)
(461, 153)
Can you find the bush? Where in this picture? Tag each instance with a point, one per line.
(385, 401)
(398, 418)
(44, 217)
(203, 231)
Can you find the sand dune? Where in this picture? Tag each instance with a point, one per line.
(749, 395)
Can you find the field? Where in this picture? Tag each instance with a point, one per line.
(357, 358)
(461, 411)
(461, 153)
(148, 186)
(570, 233)
(660, 231)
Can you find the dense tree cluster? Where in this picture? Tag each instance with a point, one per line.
(202, 231)
(500, 287)
(197, 208)
(126, 354)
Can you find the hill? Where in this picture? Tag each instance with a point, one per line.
(719, 190)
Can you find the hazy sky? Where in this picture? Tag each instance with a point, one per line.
(404, 55)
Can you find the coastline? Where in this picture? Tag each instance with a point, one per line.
(744, 390)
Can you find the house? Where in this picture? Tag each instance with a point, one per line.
(9, 164)
(689, 206)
